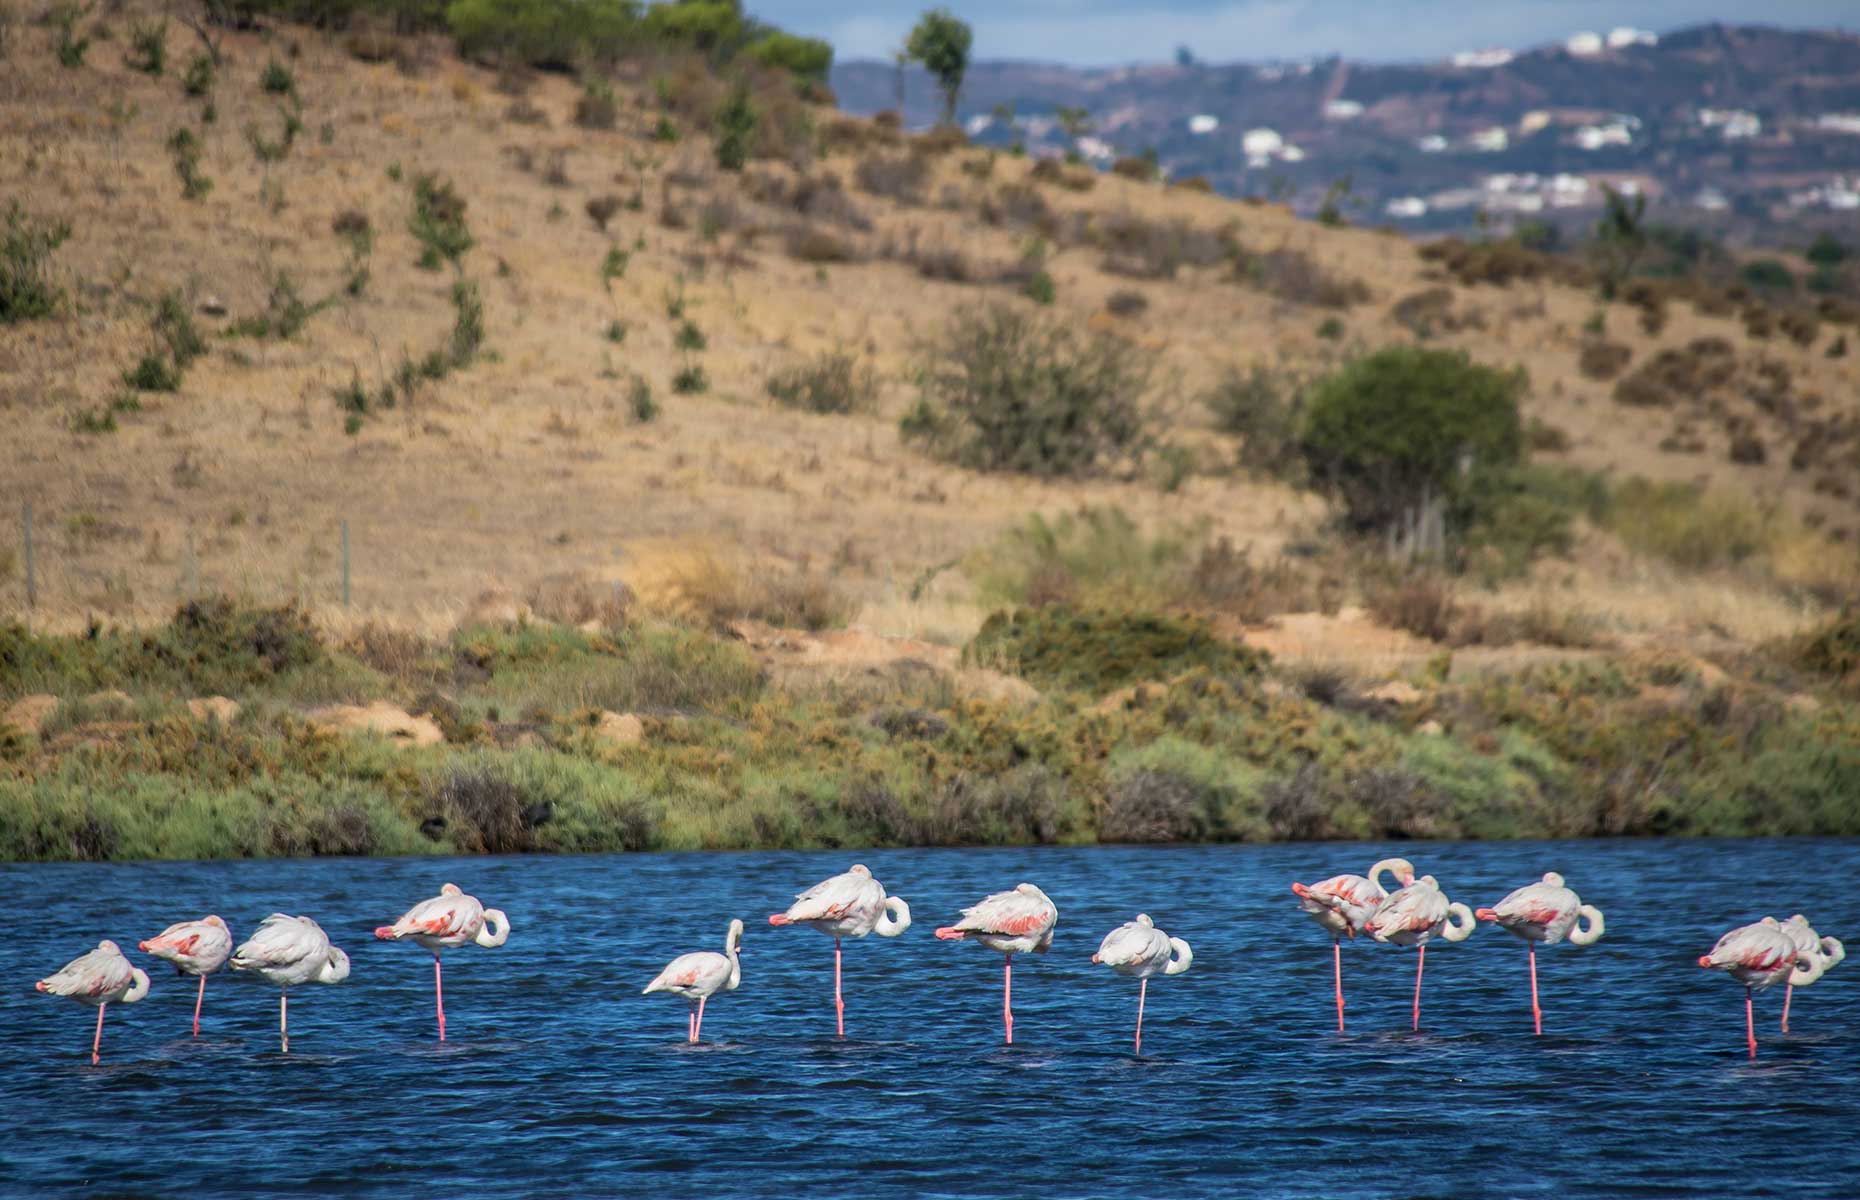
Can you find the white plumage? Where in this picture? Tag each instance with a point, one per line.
(700, 975)
(289, 952)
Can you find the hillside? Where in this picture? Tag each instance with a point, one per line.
(572, 408)
(1744, 129)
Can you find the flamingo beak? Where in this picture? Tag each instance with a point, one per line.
(1704, 960)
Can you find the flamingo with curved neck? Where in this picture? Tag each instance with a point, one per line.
(850, 904)
(449, 919)
(1140, 949)
(1758, 955)
(1015, 922)
(1821, 953)
(290, 951)
(700, 975)
(195, 948)
(1415, 916)
(1548, 912)
(1343, 902)
(100, 978)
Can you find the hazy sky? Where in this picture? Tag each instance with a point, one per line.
(1099, 32)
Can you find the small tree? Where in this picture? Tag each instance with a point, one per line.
(1076, 122)
(1406, 436)
(736, 128)
(1620, 238)
(941, 43)
(26, 245)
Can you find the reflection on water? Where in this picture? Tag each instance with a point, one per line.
(560, 1079)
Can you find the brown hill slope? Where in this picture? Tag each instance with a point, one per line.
(529, 464)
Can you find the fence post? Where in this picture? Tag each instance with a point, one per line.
(345, 563)
(32, 579)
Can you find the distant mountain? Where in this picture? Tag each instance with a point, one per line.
(1743, 126)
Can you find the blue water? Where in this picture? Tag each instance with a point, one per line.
(560, 1079)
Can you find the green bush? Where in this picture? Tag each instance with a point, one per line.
(1833, 649)
(1767, 275)
(26, 247)
(277, 79)
(153, 372)
(1098, 650)
(715, 27)
(148, 42)
(806, 58)
(1397, 429)
(1689, 526)
(197, 80)
(438, 221)
(1264, 407)
(1004, 390)
(736, 128)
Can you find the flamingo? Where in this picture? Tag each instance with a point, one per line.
(1415, 916)
(1139, 948)
(1545, 912)
(449, 919)
(1758, 956)
(1821, 952)
(289, 951)
(195, 948)
(99, 979)
(1016, 922)
(1342, 903)
(700, 975)
(851, 904)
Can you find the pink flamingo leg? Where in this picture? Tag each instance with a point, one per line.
(202, 995)
(1007, 999)
(1143, 988)
(1537, 1014)
(1420, 962)
(699, 1031)
(1750, 1024)
(96, 1043)
(839, 1005)
(691, 1026)
(1336, 968)
(439, 998)
(284, 1030)
(1788, 995)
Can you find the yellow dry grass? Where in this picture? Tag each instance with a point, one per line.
(528, 464)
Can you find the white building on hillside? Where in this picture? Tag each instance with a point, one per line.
(1584, 44)
(1622, 36)
(1490, 141)
(1343, 110)
(1202, 123)
(1491, 56)
(1406, 208)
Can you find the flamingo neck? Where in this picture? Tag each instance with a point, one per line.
(1460, 923)
(496, 928)
(1589, 926)
(138, 988)
(894, 918)
(1180, 958)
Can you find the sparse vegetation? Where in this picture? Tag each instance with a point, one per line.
(438, 222)
(832, 382)
(1004, 390)
(148, 47)
(26, 248)
(736, 128)
(184, 146)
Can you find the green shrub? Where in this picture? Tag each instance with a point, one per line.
(596, 107)
(1003, 390)
(26, 247)
(1073, 649)
(691, 380)
(736, 128)
(832, 382)
(805, 58)
(639, 401)
(1689, 526)
(197, 80)
(1833, 649)
(438, 221)
(467, 324)
(185, 147)
(1767, 275)
(277, 79)
(153, 372)
(1396, 430)
(1264, 407)
(70, 48)
(1040, 287)
(148, 47)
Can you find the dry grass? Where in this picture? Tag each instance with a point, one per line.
(527, 467)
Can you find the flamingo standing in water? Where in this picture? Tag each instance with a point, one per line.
(1016, 922)
(700, 975)
(449, 919)
(1139, 948)
(289, 951)
(1819, 952)
(100, 978)
(195, 948)
(851, 904)
(1415, 916)
(1545, 912)
(1757, 956)
(1343, 902)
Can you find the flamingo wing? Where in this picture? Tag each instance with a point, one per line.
(1013, 914)
(1536, 904)
(699, 971)
(1133, 944)
(282, 941)
(99, 973)
(831, 899)
(446, 916)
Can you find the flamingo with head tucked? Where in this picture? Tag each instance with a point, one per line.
(1546, 912)
(1343, 902)
(851, 904)
(700, 975)
(1139, 948)
(1415, 916)
(1016, 922)
(288, 952)
(1758, 956)
(449, 919)
(101, 978)
(1821, 953)
(195, 948)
